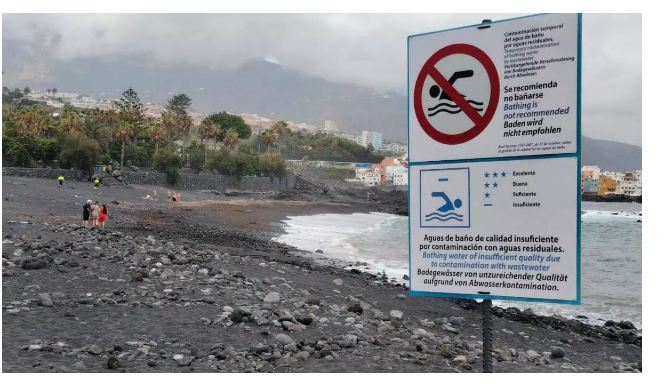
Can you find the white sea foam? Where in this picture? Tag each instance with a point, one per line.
(611, 254)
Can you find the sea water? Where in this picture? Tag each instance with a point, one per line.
(611, 255)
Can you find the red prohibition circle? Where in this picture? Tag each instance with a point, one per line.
(480, 122)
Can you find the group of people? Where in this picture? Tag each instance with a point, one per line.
(174, 196)
(95, 213)
(96, 182)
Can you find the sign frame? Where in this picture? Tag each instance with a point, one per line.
(577, 155)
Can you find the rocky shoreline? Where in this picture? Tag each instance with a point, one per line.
(163, 290)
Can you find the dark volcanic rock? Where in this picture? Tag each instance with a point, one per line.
(626, 325)
(305, 320)
(313, 301)
(34, 264)
(136, 276)
(557, 353)
(113, 363)
(238, 315)
(355, 307)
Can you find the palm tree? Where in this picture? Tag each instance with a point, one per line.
(167, 123)
(123, 132)
(156, 132)
(70, 122)
(281, 127)
(231, 139)
(183, 122)
(23, 121)
(207, 130)
(269, 137)
(30, 121)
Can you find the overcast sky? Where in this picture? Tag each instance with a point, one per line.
(369, 50)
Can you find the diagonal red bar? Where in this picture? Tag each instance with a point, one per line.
(454, 95)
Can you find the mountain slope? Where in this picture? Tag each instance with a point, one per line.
(611, 155)
(257, 86)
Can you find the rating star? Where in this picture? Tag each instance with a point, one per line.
(486, 175)
(495, 174)
(502, 174)
(486, 185)
(495, 184)
(486, 195)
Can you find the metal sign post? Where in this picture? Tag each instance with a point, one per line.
(487, 336)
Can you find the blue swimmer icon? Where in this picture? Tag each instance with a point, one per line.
(447, 211)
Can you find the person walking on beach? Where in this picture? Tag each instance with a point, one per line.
(172, 197)
(86, 214)
(61, 180)
(102, 216)
(95, 213)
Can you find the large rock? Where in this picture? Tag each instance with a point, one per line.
(626, 325)
(113, 363)
(557, 353)
(183, 360)
(396, 314)
(272, 298)
(34, 264)
(44, 299)
(284, 339)
(238, 315)
(457, 320)
(355, 307)
(313, 301)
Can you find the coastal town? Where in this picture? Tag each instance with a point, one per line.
(601, 183)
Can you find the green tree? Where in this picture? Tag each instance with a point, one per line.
(221, 162)
(207, 131)
(169, 162)
(269, 137)
(156, 132)
(272, 165)
(79, 152)
(122, 132)
(196, 157)
(70, 122)
(226, 122)
(231, 139)
(26, 90)
(14, 151)
(177, 107)
(179, 104)
(281, 128)
(131, 110)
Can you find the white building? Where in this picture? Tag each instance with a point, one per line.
(616, 176)
(400, 177)
(370, 138)
(632, 183)
(395, 148)
(392, 171)
(592, 171)
(369, 177)
(330, 126)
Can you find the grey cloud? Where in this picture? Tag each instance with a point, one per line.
(365, 49)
